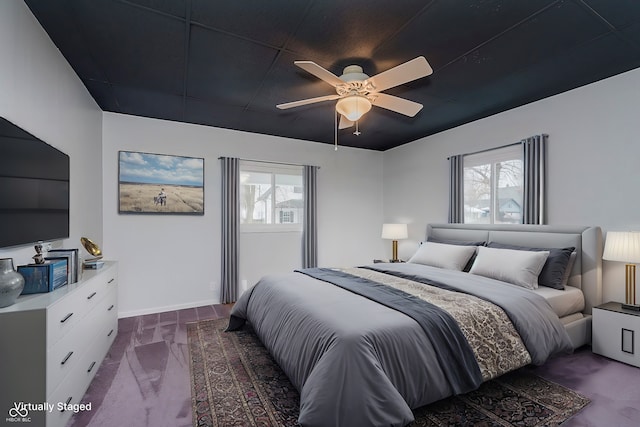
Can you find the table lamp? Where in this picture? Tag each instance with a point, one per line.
(625, 246)
(394, 232)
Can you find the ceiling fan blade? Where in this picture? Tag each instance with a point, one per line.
(319, 72)
(345, 123)
(403, 73)
(307, 101)
(399, 105)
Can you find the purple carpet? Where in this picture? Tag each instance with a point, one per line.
(613, 387)
(144, 381)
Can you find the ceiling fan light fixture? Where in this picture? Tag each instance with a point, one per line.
(353, 107)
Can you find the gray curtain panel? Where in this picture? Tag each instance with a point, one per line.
(310, 222)
(456, 189)
(533, 211)
(230, 228)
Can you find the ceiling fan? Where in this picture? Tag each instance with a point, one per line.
(356, 92)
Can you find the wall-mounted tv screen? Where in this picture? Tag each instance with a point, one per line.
(34, 189)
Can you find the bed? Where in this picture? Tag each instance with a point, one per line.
(365, 345)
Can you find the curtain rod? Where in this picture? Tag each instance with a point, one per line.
(272, 162)
(497, 148)
(489, 149)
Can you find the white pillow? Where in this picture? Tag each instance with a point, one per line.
(509, 265)
(450, 257)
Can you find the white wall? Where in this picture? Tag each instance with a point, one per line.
(593, 163)
(170, 261)
(41, 93)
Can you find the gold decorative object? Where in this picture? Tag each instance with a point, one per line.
(92, 248)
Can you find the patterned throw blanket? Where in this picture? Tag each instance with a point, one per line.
(491, 335)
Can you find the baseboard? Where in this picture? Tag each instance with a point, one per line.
(155, 310)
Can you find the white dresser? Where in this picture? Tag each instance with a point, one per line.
(52, 344)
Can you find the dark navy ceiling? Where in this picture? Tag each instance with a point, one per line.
(228, 63)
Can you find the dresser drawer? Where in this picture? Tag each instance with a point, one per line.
(107, 313)
(64, 355)
(96, 346)
(90, 362)
(70, 391)
(63, 316)
(65, 313)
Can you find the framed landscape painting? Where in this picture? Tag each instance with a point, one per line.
(160, 184)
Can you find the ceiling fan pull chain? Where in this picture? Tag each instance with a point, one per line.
(335, 122)
(357, 132)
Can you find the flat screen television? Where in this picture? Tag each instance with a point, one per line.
(34, 189)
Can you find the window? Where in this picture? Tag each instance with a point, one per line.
(287, 217)
(493, 186)
(271, 197)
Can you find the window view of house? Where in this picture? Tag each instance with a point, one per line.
(270, 196)
(493, 186)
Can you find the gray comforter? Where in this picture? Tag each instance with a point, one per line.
(358, 363)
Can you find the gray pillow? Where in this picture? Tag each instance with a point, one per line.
(567, 271)
(456, 242)
(553, 272)
(520, 268)
(450, 257)
(461, 243)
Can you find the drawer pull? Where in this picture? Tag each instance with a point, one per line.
(91, 367)
(66, 358)
(110, 332)
(64, 408)
(111, 280)
(66, 317)
(110, 308)
(92, 295)
(626, 343)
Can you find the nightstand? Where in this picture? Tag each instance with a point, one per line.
(616, 333)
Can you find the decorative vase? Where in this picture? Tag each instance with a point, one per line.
(11, 282)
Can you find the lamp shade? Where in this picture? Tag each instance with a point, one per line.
(353, 107)
(394, 231)
(622, 246)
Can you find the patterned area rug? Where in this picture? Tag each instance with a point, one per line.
(235, 382)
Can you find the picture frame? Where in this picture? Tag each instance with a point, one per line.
(164, 184)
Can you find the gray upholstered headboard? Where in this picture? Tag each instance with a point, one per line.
(587, 270)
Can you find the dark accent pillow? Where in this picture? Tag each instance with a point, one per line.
(554, 268)
(460, 243)
(567, 271)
